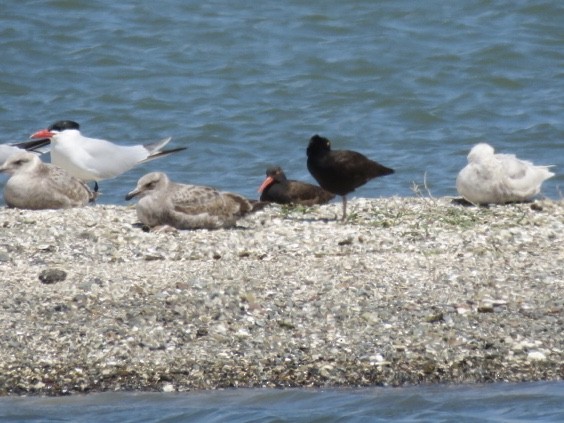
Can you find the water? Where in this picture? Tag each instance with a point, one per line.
(411, 84)
(539, 402)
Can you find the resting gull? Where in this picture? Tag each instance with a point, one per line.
(490, 178)
(166, 203)
(37, 185)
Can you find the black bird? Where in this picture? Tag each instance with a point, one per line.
(277, 188)
(340, 171)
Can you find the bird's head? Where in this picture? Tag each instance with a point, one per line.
(20, 161)
(318, 144)
(148, 184)
(56, 128)
(480, 152)
(273, 174)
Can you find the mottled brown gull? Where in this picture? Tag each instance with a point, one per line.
(166, 203)
(490, 178)
(37, 185)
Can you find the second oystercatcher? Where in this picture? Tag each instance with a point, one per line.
(340, 171)
(276, 188)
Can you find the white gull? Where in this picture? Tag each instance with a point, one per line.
(490, 178)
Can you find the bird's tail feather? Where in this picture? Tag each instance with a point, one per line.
(155, 147)
(163, 153)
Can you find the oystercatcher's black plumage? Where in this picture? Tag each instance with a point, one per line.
(277, 188)
(340, 171)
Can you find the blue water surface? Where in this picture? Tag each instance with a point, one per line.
(525, 402)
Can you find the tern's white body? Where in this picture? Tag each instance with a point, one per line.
(499, 178)
(91, 159)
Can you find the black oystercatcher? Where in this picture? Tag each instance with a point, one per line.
(277, 188)
(340, 171)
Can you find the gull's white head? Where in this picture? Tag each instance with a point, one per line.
(480, 152)
(149, 183)
(22, 161)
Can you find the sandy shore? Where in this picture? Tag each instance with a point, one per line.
(408, 290)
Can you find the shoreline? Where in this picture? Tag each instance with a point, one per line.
(408, 291)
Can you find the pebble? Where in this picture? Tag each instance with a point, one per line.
(49, 276)
(536, 356)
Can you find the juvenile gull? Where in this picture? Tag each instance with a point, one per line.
(163, 202)
(490, 178)
(91, 159)
(277, 188)
(37, 185)
(6, 150)
(340, 171)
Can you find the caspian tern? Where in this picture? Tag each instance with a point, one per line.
(490, 178)
(36, 185)
(6, 150)
(91, 159)
(166, 203)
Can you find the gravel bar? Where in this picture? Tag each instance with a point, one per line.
(406, 291)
